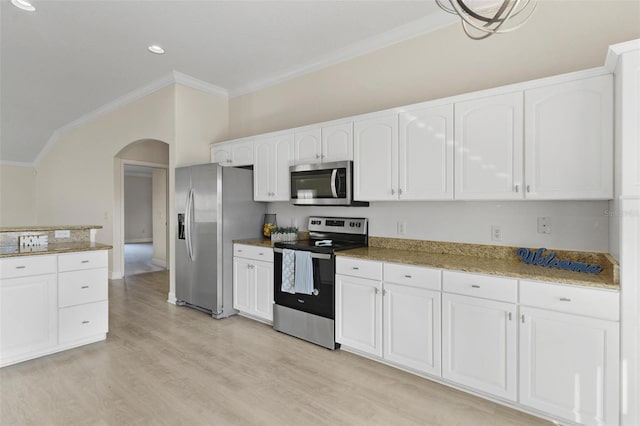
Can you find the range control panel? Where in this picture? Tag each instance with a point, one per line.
(345, 225)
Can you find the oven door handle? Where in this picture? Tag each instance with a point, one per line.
(313, 255)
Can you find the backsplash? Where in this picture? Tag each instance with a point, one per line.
(575, 225)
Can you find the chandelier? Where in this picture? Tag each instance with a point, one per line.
(482, 18)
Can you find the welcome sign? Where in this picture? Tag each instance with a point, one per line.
(550, 260)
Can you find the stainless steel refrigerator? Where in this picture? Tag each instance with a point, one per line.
(214, 206)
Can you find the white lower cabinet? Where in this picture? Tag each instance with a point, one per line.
(28, 316)
(50, 303)
(253, 281)
(569, 363)
(359, 314)
(398, 321)
(479, 344)
(412, 327)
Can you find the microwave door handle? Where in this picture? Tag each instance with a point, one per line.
(334, 177)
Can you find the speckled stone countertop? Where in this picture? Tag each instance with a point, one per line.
(263, 242)
(51, 248)
(37, 228)
(485, 259)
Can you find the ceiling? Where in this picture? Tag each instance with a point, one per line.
(70, 58)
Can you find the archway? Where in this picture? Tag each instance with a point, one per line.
(153, 156)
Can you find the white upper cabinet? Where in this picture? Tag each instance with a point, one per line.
(488, 143)
(323, 145)
(271, 168)
(308, 147)
(337, 142)
(426, 154)
(569, 140)
(239, 153)
(375, 158)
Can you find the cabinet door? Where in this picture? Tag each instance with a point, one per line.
(282, 159)
(262, 170)
(375, 157)
(263, 276)
(479, 344)
(488, 143)
(569, 366)
(426, 154)
(412, 327)
(221, 155)
(242, 153)
(359, 314)
(569, 140)
(28, 316)
(243, 285)
(307, 147)
(337, 142)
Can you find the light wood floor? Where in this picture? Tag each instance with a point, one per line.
(169, 365)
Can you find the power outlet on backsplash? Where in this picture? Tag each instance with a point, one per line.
(62, 233)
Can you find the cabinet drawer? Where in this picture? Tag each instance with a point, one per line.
(359, 268)
(253, 252)
(82, 321)
(78, 287)
(414, 276)
(590, 302)
(23, 266)
(486, 286)
(82, 260)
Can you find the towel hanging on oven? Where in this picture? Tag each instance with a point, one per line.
(288, 268)
(303, 272)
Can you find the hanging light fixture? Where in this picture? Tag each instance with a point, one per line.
(482, 18)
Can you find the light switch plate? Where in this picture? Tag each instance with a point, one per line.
(63, 233)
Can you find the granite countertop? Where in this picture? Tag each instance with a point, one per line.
(506, 266)
(52, 248)
(35, 228)
(260, 242)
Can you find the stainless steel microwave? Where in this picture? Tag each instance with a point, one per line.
(323, 184)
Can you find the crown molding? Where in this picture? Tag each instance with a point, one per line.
(16, 164)
(429, 23)
(203, 86)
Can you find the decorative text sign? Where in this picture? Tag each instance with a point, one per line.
(549, 260)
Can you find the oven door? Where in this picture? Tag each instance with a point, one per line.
(320, 303)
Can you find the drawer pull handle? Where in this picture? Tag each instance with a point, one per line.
(509, 316)
(475, 286)
(240, 251)
(407, 276)
(261, 254)
(20, 267)
(85, 286)
(355, 267)
(85, 322)
(565, 299)
(84, 261)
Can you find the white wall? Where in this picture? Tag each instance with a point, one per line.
(138, 212)
(17, 196)
(576, 225)
(562, 36)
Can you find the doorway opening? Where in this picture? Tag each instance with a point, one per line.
(145, 219)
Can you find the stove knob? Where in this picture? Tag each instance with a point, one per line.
(351, 224)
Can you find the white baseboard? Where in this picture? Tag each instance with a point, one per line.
(159, 262)
(115, 275)
(138, 240)
(172, 298)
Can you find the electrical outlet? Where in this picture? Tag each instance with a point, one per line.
(402, 227)
(496, 233)
(544, 225)
(62, 233)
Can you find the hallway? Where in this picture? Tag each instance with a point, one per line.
(137, 259)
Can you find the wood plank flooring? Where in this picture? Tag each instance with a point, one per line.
(168, 365)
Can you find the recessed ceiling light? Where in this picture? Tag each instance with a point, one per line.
(154, 48)
(24, 5)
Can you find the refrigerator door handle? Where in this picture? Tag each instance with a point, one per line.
(187, 222)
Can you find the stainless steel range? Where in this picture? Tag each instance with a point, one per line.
(310, 314)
